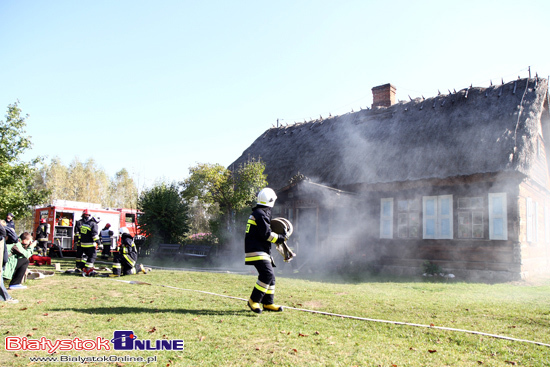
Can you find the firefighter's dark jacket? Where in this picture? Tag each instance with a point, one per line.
(42, 232)
(127, 243)
(86, 231)
(259, 237)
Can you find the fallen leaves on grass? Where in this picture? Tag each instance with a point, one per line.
(300, 334)
(432, 350)
(201, 338)
(153, 330)
(23, 309)
(510, 362)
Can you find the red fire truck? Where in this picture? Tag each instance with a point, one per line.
(62, 215)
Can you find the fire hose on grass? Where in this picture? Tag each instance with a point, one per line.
(283, 226)
(348, 316)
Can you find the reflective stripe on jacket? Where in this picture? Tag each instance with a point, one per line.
(259, 237)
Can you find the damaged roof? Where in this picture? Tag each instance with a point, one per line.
(475, 130)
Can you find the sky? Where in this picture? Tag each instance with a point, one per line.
(157, 87)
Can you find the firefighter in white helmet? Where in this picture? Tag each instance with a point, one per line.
(257, 245)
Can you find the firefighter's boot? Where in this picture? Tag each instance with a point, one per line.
(254, 306)
(274, 308)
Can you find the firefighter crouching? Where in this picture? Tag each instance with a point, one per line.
(42, 233)
(257, 244)
(126, 258)
(106, 240)
(86, 240)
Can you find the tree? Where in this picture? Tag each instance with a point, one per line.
(54, 178)
(123, 190)
(224, 193)
(87, 182)
(165, 217)
(17, 185)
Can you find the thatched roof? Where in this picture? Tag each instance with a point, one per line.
(475, 130)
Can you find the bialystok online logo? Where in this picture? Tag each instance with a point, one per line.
(122, 340)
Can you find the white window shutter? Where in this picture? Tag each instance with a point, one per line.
(386, 218)
(498, 217)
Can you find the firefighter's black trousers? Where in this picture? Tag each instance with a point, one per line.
(85, 257)
(264, 289)
(106, 252)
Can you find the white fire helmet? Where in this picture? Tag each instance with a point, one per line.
(123, 230)
(267, 197)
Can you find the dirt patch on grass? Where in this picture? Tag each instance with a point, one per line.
(538, 280)
(313, 304)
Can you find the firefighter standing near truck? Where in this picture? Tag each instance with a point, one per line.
(257, 245)
(42, 233)
(106, 235)
(86, 239)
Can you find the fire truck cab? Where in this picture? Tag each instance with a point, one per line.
(61, 216)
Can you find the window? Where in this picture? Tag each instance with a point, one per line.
(498, 217)
(546, 225)
(438, 217)
(386, 218)
(470, 217)
(532, 222)
(130, 218)
(408, 218)
(536, 226)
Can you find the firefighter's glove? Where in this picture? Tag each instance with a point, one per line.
(281, 238)
(100, 247)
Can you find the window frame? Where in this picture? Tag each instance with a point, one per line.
(470, 211)
(413, 209)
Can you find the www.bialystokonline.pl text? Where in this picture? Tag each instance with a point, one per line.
(151, 359)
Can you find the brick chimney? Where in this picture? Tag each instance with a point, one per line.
(383, 95)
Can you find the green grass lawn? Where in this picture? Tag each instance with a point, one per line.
(221, 331)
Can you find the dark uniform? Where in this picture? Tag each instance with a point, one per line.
(86, 236)
(42, 232)
(257, 245)
(126, 258)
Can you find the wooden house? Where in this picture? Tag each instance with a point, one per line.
(459, 179)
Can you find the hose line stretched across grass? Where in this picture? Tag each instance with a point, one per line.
(349, 316)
